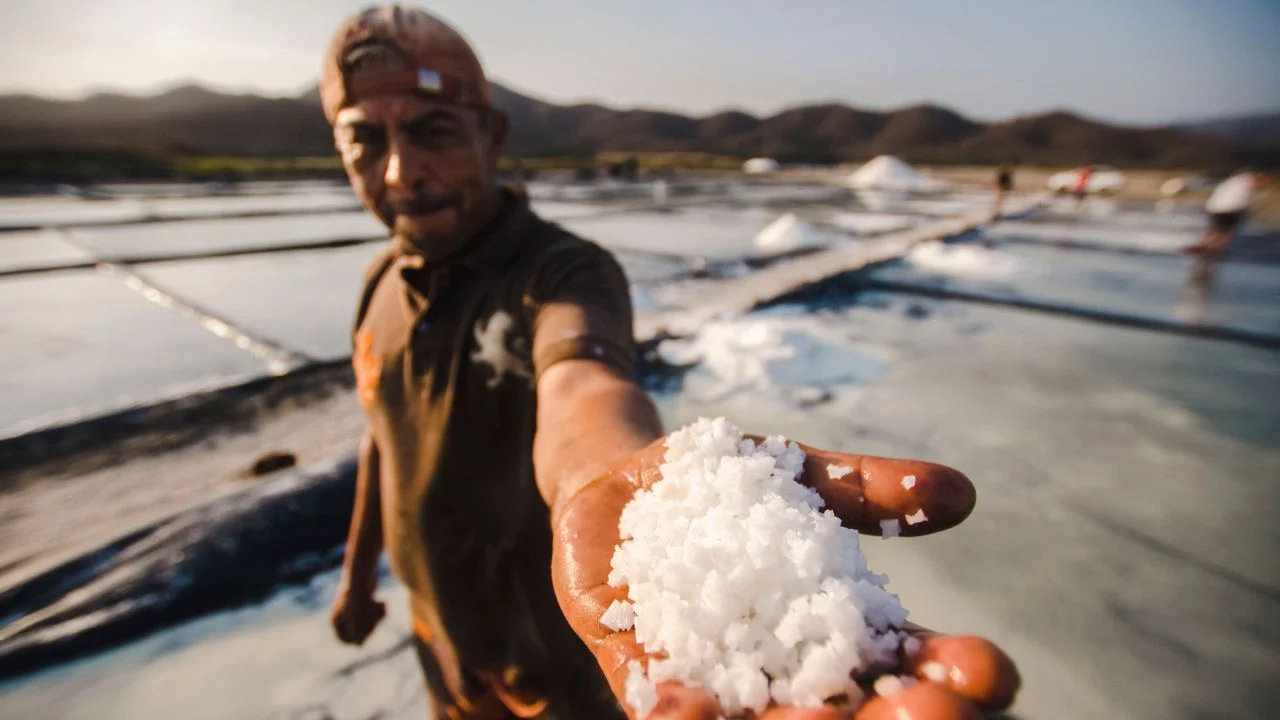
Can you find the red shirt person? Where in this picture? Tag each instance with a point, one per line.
(494, 359)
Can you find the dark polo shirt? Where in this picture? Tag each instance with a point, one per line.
(446, 360)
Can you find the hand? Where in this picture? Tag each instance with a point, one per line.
(976, 674)
(355, 614)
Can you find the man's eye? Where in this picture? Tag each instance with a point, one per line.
(436, 131)
(367, 135)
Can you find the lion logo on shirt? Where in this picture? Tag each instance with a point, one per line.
(492, 349)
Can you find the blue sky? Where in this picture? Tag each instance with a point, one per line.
(1137, 61)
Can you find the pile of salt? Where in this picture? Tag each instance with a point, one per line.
(743, 583)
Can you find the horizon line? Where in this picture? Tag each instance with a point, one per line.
(90, 91)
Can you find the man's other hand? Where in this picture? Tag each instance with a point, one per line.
(355, 615)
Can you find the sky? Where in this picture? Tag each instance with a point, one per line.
(1135, 61)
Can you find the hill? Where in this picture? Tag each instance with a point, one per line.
(1251, 131)
(193, 121)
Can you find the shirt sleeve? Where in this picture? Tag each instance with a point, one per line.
(582, 310)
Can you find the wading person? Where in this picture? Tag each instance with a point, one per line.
(1227, 207)
(1081, 189)
(494, 357)
(1004, 185)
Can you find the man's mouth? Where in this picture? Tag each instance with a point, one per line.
(417, 205)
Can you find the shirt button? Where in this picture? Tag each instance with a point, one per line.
(421, 328)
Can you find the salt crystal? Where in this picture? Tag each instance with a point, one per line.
(742, 582)
(934, 670)
(642, 695)
(890, 528)
(916, 517)
(887, 685)
(620, 616)
(909, 481)
(911, 645)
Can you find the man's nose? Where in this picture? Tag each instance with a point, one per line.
(404, 172)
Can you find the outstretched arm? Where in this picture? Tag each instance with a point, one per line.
(599, 441)
(589, 419)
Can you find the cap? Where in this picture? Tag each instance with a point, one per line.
(393, 50)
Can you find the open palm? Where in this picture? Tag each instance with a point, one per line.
(960, 676)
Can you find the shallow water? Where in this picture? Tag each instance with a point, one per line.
(1243, 296)
(80, 342)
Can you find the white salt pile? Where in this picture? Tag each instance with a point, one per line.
(787, 234)
(760, 166)
(967, 260)
(744, 585)
(887, 172)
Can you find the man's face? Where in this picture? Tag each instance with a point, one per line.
(427, 170)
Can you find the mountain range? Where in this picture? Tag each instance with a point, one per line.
(192, 120)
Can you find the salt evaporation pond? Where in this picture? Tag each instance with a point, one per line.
(1047, 416)
(28, 250)
(1117, 552)
(1244, 296)
(80, 343)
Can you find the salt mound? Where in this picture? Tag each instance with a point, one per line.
(744, 585)
(887, 172)
(964, 260)
(747, 355)
(787, 234)
(760, 166)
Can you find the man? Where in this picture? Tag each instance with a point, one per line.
(1227, 208)
(493, 357)
(1004, 185)
(1081, 189)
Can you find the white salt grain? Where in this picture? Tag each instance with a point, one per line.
(641, 693)
(934, 670)
(916, 517)
(835, 472)
(890, 528)
(911, 645)
(742, 583)
(887, 685)
(909, 481)
(620, 616)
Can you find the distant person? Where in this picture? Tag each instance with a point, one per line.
(494, 358)
(1081, 189)
(1004, 185)
(1227, 208)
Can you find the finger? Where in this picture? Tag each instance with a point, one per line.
(922, 701)
(864, 491)
(972, 667)
(677, 702)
